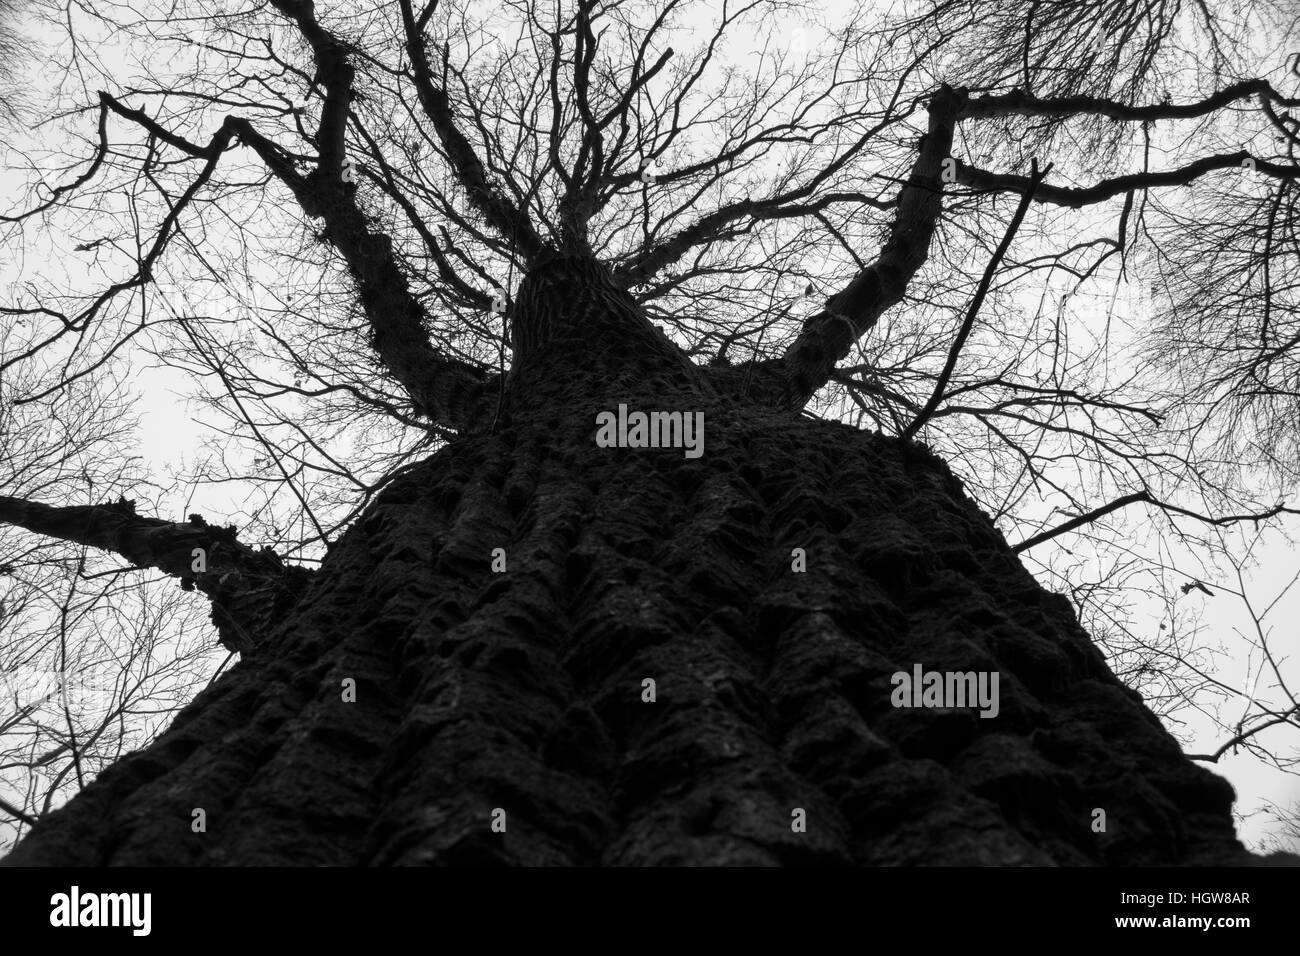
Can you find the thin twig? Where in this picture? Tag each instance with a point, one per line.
(1035, 177)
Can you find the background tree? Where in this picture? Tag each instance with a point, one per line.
(370, 234)
(12, 51)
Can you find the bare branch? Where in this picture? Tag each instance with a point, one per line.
(503, 215)
(1020, 103)
(1284, 718)
(829, 335)
(1077, 198)
(937, 396)
(248, 588)
(1148, 498)
(17, 814)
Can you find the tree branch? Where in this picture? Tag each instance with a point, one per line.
(829, 335)
(1020, 103)
(638, 269)
(937, 396)
(443, 389)
(17, 814)
(1286, 717)
(500, 213)
(249, 589)
(1077, 198)
(1148, 498)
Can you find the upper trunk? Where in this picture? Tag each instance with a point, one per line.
(521, 689)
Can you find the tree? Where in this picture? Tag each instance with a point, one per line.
(530, 637)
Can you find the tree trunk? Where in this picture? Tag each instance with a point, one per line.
(522, 690)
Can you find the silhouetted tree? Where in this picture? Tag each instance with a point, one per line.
(523, 646)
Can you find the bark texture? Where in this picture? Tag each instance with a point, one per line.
(522, 690)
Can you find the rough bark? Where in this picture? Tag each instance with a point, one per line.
(522, 690)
